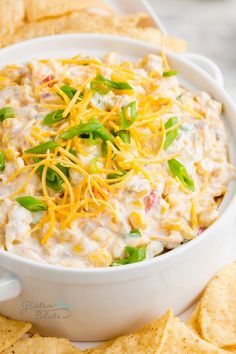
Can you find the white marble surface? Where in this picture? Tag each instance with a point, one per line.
(209, 26)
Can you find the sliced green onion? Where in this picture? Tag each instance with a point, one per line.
(93, 139)
(73, 152)
(93, 168)
(103, 134)
(53, 180)
(118, 262)
(178, 170)
(42, 148)
(53, 117)
(172, 134)
(135, 233)
(104, 148)
(63, 169)
(56, 184)
(129, 110)
(99, 86)
(2, 161)
(83, 128)
(6, 112)
(135, 255)
(124, 135)
(103, 86)
(116, 175)
(32, 204)
(70, 92)
(169, 73)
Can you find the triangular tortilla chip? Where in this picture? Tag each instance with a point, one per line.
(11, 331)
(126, 25)
(40, 9)
(42, 345)
(149, 339)
(193, 322)
(217, 314)
(181, 340)
(12, 15)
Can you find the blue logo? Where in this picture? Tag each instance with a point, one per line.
(44, 311)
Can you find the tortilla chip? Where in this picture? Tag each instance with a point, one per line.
(181, 340)
(217, 314)
(193, 322)
(11, 331)
(127, 25)
(12, 13)
(77, 22)
(176, 44)
(153, 36)
(40, 9)
(150, 339)
(42, 345)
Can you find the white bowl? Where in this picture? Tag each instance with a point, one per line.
(97, 304)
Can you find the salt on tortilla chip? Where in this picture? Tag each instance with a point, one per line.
(40, 9)
(149, 339)
(42, 345)
(11, 331)
(181, 340)
(12, 13)
(217, 314)
(127, 25)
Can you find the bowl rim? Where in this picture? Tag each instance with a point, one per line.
(172, 254)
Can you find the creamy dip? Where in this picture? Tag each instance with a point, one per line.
(104, 163)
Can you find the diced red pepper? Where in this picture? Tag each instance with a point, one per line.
(150, 200)
(200, 230)
(47, 79)
(46, 94)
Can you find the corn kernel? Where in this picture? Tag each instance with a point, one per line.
(188, 232)
(142, 193)
(164, 207)
(171, 200)
(5, 138)
(67, 80)
(10, 154)
(199, 167)
(77, 248)
(208, 216)
(4, 81)
(100, 235)
(9, 123)
(172, 224)
(83, 246)
(136, 220)
(100, 258)
(138, 203)
(118, 249)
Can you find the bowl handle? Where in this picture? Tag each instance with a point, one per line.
(10, 287)
(207, 65)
